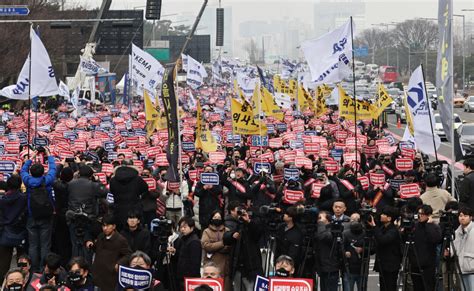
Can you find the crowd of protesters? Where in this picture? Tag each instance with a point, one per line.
(93, 199)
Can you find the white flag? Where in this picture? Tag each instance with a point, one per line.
(20, 91)
(191, 101)
(43, 80)
(185, 62)
(334, 98)
(147, 72)
(421, 111)
(329, 54)
(75, 102)
(195, 73)
(217, 72)
(64, 90)
(246, 84)
(89, 66)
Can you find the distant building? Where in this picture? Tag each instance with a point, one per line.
(329, 14)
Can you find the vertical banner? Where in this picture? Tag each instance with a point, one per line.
(444, 65)
(171, 112)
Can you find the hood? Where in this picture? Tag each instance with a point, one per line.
(125, 174)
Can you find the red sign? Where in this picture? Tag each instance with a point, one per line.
(317, 190)
(364, 182)
(107, 168)
(409, 190)
(292, 196)
(371, 150)
(151, 183)
(382, 143)
(13, 147)
(193, 283)
(404, 164)
(311, 148)
(331, 166)
(275, 142)
(102, 178)
(377, 179)
(340, 134)
(408, 153)
(280, 284)
(303, 162)
(161, 160)
(217, 157)
(267, 156)
(153, 151)
(194, 175)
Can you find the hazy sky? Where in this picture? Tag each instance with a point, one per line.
(377, 11)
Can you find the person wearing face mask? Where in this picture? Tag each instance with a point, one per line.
(140, 260)
(238, 187)
(213, 246)
(211, 271)
(53, 273)
(290, 236)
(328, 193)
(24, 263)
(14, 280)
(353, 250)
(79, 277)
(284, 267)
(210, 199)
(137, 236)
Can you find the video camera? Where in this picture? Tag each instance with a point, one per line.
(308, 215)
(436, 167)
(337, 227)
(408, 221)
(80, 220)
(161, 228)
(448, 221)
(273, 215)
(367, 213)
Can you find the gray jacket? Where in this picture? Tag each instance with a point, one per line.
(464, 244)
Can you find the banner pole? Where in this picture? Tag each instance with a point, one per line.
(29, 97)
(429, 112)
(354, 97)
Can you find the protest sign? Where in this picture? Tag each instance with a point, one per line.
(137, 279)
(210, 178)
(192, 283)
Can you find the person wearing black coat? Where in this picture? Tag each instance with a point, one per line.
(209, 200)
(239, 188)
(327, 261)
(354, 252)
(466, 195)
(290, 238)
(388, 252)
(246, 257)
(128, 188)
(138, 238)
(12, 208)
(426, 237)
(187, 249)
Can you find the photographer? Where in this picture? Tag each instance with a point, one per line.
(464, 245)
(82, 199)
(425, 236)
(290, 237)
(466, 195)
(328, 263)
(388, 254)
(246, 260)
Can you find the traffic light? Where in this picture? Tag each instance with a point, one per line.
(219, 26)
(153, 9)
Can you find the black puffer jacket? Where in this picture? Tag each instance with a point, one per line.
(188, 251)
(127, 187)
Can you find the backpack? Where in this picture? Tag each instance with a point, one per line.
(40, 204)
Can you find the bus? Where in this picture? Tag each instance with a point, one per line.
(388, 74)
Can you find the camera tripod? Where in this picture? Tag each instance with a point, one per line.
(406, 264)
(338, 246)
(367, 246)
(453, 271)
(270, 252)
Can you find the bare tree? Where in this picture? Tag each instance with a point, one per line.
(416, 34)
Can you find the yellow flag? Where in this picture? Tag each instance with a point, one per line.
(409, 117)
(204, 139)
(322, 92)
(270, 106)
(383, 100)
(293, 89)
(151, 112)
(348, 110)
(243, 121)
(303, 102)
(276, 83)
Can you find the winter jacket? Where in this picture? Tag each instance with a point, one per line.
(175, 201)
(12, 204)
(138, 240)
(213, 248)
(108, 253)
(208, 202)
(388, 251)
(326, 261)
(188, 251)
(34, 182)
(127, 187)
(437, 199)
(290, 243)
(427, 236)
(466, 195)
(85, 192)
(464, 244)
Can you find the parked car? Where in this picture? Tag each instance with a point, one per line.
(458, 101)
(469, 104)
(438, 127)
(466, 138)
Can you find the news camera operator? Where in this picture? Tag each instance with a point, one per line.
(424, 236)
(388, 254)
(244, 236)
(290, 237)
(83, 210)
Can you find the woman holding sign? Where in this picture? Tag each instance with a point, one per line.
(213, 246)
